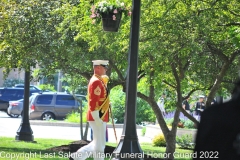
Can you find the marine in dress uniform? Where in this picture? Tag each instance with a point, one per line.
(97, 114)
(200, 106)
(186, 105)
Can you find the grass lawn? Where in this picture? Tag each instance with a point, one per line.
(17, 150)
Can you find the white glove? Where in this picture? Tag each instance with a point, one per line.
(97, 120)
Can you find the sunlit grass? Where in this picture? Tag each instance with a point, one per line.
(12, 149)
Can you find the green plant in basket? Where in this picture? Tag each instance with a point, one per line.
(113, 7)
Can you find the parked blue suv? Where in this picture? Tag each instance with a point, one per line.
(12, 94)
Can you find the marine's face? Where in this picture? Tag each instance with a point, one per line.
(102, 69)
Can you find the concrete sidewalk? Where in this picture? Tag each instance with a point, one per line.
(74, 128)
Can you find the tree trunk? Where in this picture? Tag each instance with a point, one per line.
(170, 145)
(171, 137)
(217, 83)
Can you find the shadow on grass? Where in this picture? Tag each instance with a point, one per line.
(74, 146)
(54, 153)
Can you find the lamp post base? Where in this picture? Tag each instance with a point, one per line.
(25, 138)
(24, 133)
(128, 148)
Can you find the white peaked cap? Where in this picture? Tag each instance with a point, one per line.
(201, 96)
(100, 62)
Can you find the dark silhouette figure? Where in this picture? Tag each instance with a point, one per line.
(218, 131)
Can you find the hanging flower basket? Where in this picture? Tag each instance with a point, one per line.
(111, 22)
(110, 13)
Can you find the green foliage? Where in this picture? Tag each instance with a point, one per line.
(75, 116)
(26, 39)
(184, 45)
(74, 84)
(33, 151)
(188, 124)
(117, 99)
(12, 82)
(234, 33)
(159, 141)
(143, 131)
(169, 121)
(170, 100)
(45, 87)
(9, 146)
(144, 111)
(185, 141)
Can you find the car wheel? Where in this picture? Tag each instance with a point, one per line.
(13, 115)
(48, 116)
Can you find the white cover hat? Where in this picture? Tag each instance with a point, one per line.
(100, 62)
(201, 96)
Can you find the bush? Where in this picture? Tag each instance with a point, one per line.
(143, 113)
(188, 124)
(185, 141)
(143, 131)
(46, 87)
(159, 141)
(75, 117)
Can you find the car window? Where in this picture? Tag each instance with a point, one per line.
(31, 98)
(30, 87)
(83, 98)
(13, 94)
(65, 100)
(20, 94)
(10, 92)
(44, 99)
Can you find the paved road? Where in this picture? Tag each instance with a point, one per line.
(9, 127)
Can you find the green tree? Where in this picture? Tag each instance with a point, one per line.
(144, 112)
(185, 46)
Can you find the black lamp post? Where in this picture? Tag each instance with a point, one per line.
(128, 147)
(24, 132)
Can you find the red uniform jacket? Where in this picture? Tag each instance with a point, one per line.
(97, 94)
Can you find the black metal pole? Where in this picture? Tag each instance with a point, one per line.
(24, 132)
(219, 99)
(128, 147)
(81, 120)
